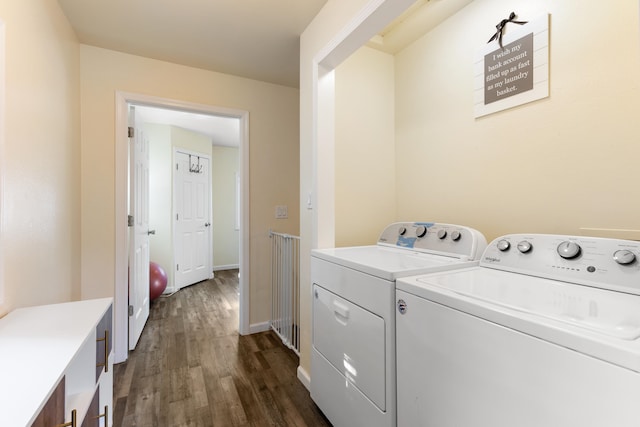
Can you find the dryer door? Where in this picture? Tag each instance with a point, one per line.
(352, 339)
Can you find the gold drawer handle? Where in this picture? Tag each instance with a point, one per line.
(105, 415)
(72, 423)
(106, 351)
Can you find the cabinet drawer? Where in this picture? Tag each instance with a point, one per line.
(97, 416)
(53, 411)
(103, 342)
(92, 418)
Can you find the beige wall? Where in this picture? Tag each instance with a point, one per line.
(191, 141)
(273, 133)
(40, 164)
(365, 190)
(226, 238)
(553, 166)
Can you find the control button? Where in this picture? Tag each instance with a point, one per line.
(455, 235)
(442, 234)
(624, 257)
(402, 306)
(503, 245)
(568, 250)
(524, 246)
(421, 231)
(591, 269)
(402, 231)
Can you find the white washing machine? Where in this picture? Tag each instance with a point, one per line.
(544, 332)
(353, 324)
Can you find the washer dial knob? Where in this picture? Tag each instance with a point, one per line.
(503, 245)
(421, 231)
(455, 235)
(568, 250)
(402, 306)
(524, 246)
(624, 256)
(402, 231)
(442, 233)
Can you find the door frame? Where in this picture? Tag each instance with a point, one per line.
(121, 286)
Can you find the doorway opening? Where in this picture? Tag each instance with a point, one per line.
(121, 301)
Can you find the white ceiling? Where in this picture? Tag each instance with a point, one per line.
(223, 131)
(256, 39)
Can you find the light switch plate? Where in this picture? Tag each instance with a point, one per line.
(281, 212)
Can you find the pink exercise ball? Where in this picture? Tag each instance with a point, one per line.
(157, 280)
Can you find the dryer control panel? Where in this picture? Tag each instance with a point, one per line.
(604, 263)
(437, 238)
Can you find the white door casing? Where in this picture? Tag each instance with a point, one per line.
(139, 235)
(192, 218)
(121, 288)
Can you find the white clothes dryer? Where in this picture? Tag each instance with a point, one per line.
(544, 332)
(353, 321)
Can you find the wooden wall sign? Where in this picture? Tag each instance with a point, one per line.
(517, 72)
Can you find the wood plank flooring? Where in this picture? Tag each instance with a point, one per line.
(191, 368)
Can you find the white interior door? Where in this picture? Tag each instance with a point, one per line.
(139, 234)
(192, 216)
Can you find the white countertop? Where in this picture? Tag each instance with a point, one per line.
(36, 346)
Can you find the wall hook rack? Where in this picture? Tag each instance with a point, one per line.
(193, 167)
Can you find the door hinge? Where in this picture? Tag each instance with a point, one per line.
(130, 132)
(176, 166)
(130, 220)
(130, 310)
(177, 215)
(177, 267)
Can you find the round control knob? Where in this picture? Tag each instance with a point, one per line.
(421, 231)
(402, 231)
(624, 256)
(455, 235)
(568, 250)
(503, 245)
(442, 234)
(524, 246)
(402, 306)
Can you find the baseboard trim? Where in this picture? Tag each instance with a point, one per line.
(168, 292)
(304, 378)
(226, 267)
(254, 328)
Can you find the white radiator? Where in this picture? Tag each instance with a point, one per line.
(285, 288)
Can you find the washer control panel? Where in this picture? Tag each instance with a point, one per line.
(605, 263)
(430, 237)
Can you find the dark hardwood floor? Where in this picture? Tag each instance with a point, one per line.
(191, 368)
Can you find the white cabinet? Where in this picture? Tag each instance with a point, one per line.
(56, 362)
